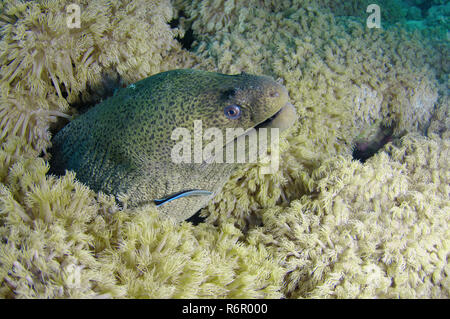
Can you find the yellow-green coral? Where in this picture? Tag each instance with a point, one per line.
(323, 226)
(60, 239)
(46, 65)
(39, 50)
(342, 82)
(341, 66)
(378, 229)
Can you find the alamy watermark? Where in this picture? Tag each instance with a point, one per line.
(73, 20)
(190, 149)
(374, 19)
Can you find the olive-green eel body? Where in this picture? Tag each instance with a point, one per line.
(124, 145)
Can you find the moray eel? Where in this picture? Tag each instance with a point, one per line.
(123, 145)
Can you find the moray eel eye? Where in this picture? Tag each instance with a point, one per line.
(232, 111)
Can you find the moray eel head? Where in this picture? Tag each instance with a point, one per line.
(254, 99)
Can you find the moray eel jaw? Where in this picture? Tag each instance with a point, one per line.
(283, 119)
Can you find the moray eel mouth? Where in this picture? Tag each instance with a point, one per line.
(282, 119)
(269, 120)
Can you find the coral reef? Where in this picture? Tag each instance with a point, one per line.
(378, 229)
(60, 239)
(342, 82)
(323, 226)
(46, 65)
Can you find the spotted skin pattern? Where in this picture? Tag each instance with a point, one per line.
(123, 145)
